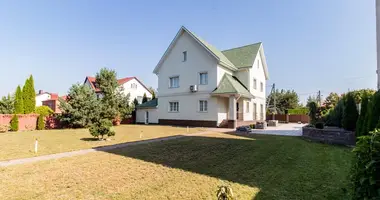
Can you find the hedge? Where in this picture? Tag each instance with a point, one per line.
(298, 111)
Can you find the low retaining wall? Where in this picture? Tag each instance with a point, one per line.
(25, 122)
(329, 135)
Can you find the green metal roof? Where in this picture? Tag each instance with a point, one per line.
(217, 53)
(149, 104)
(231, 85)
(243, 56)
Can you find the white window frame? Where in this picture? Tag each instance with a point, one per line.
(255, 83)
(247, 107)
(261, 87)
(184, 54)
(170, 83)
(203, 105)
(174, 110)
(200, 76)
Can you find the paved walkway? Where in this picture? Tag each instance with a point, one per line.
(85, 151)
(291, 129)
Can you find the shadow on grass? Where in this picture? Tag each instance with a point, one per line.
(281, 167)
(89, 139)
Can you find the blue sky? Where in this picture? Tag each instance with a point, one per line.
(310, 45)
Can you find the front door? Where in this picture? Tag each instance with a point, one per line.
(237, 110)
(147, 117)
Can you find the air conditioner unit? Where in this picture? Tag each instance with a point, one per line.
(193, 88)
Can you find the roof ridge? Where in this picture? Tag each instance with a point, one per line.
(241, 46)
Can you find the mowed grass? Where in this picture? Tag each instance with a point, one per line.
(256, 167)
(21, 144)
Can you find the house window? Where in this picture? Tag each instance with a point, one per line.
(134, 85)
(202, 106)
(247, 107)
(254, 83)
(203, 78)
(174, 106)
(139, 99)
(184, 56)
(261, 87)
(174, 82)
(254, 110)
(261, 112)
(258, 64)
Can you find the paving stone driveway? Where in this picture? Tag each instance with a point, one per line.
(291, 129)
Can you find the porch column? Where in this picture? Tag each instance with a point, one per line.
(232, 112)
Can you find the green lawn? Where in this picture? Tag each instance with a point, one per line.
(256, 167)
(21, 144)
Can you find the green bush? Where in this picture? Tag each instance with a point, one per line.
(350, 113)
(101, 128)
(252, 126)
(14, 123)
(40, 122)
(319, 125)
(365, 176)
(374, 112)
(44, 111)
(298, 111)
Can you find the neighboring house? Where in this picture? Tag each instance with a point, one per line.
(130, 85)
(198, 85)
(43, 96)
(53, 103)
(147, 112)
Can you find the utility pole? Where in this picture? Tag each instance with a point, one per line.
(274, 98)
(319, 98)
(271, 95)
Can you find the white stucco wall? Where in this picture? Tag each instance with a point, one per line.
(223, 108)
(246, 76)
(153, 115)
(257, 71)
(198, 60)
(135, 92)
(42, 97)
(221, 71)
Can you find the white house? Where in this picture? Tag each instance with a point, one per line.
(131, 85)
(198, 85)
(43, 96)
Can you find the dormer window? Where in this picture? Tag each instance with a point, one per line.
(184, 56)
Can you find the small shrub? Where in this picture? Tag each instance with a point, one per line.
(101, 128)
(40, 122)
(319, 125)
(14, 123)
(313, 109)
(252, 126)
(4, 128)
(365, 176)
